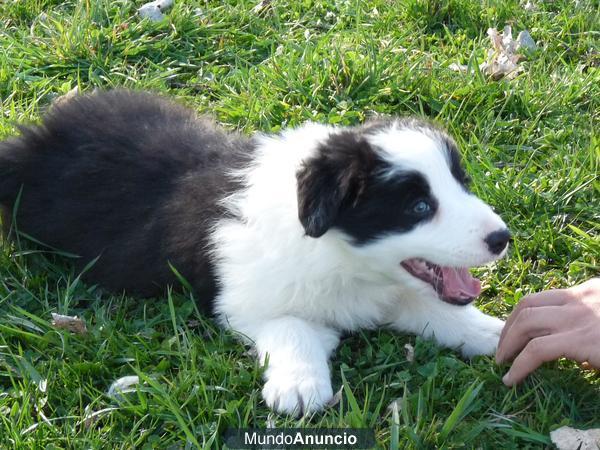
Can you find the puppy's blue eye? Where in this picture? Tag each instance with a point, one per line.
(422, 207)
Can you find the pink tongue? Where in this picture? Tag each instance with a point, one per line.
(459, 283)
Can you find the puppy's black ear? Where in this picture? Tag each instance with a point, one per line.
(332, 179)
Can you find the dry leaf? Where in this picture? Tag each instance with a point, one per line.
(71, 323)
(504, 57)
(154, 10)
(567, 438)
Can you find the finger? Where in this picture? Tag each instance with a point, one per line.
(543, 349)
(555, 297)
(529, 324)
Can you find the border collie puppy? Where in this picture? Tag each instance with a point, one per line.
(289, 239)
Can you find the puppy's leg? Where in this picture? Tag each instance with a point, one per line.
(463, 327)
(297, 374)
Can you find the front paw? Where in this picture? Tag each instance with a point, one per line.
(296, 392)
(483, 337)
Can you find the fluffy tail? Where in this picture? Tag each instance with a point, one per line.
(17, 156)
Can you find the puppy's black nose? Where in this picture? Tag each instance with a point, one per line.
(497, 241)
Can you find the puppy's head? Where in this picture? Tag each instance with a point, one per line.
(395, 192)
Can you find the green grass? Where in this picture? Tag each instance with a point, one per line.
(531, 147)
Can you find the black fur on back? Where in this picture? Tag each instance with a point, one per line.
(130, 177)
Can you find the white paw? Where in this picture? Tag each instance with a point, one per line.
(482, 337)
(296, 392)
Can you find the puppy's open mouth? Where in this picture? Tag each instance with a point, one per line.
(453, 285)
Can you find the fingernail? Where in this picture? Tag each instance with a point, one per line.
(506, 379)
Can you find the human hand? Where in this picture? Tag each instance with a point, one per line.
(549, 325)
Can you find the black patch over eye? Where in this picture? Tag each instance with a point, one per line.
(388, 205)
